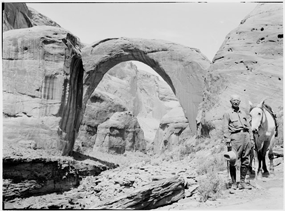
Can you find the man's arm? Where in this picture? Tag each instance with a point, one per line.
(226, 131)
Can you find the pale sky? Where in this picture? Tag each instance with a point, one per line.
(199, 25)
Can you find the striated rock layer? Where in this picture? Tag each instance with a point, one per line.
(249, 63)
(34, 76)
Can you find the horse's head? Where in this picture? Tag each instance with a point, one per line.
(257, 116)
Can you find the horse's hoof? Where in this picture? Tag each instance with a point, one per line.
(266, 174)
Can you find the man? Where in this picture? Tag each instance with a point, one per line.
(238, 137)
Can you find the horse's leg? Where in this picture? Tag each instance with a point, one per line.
(256, 169)
(256, 164)
(263, 157)
(270, 153)
(259, 155)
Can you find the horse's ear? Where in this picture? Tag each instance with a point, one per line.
(250, 105)
(262, 102)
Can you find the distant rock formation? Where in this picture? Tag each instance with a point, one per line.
(125, 88)
(119, 134)
(18, 15)
(170, 132)
(40, 20)
(100, 108)
(249, 63)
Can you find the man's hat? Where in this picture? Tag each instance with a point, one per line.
(231, 156)
(235, 97)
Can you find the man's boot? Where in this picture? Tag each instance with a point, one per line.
(233, 176)
(243, 172)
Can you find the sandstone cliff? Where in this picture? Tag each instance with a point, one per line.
(35, 77)
(249, 63)
(33, 70)
(18, 15)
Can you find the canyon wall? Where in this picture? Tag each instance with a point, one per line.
(248, 63)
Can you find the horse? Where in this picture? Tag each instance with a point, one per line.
(263, 128)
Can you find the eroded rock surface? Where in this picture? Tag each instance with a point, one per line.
(249, 63)
(170, 133)
(120, 183)
(100, 108)
(181, 67)
(33, 70)
(25, 177)
(119, 134)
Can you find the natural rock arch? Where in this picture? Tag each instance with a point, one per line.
(181, 67)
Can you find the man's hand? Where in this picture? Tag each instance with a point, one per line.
(252, 142)
(227, 141)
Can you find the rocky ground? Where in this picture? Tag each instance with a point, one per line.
(138, 172)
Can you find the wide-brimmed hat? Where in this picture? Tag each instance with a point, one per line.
(231, 156)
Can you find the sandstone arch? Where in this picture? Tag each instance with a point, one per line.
(181, 67)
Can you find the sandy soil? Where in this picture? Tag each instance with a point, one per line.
(269, 196)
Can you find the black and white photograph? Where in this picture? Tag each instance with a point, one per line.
(142, 105)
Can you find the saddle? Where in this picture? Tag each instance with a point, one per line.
(269, 109)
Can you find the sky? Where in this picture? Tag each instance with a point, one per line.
(198, 25)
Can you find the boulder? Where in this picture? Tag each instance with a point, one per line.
(171, 131)
(100, 107)
(249, 63)
(155, 194)
(120, 133)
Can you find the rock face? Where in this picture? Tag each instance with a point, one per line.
(249, 63)
(26, 177)
(119, 134)
(34, 76)
(100, 108)
(152, 196)
(18, 15)
(171, 131)
(40, 20)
